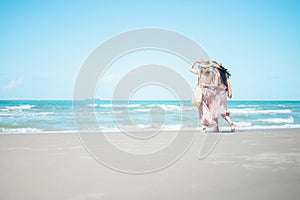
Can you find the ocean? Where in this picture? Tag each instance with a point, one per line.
(57, 116)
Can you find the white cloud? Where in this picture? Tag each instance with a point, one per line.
(14, 83)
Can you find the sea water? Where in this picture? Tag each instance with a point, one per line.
(52, 116)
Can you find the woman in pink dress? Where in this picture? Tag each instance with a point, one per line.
(213, 79)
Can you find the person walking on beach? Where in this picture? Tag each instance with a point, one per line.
(224, 77)
(213, 80)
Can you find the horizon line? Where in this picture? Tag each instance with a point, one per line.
(96, 99)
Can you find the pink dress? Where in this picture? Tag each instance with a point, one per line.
(213, 97)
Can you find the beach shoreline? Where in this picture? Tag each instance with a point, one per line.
(52, 116)
(252, 164)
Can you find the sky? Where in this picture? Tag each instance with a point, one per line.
(43, 44)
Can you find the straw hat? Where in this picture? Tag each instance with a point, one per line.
(204, 63)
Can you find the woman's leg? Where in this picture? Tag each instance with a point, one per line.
(227, 118)
(200, 111)
(216, 127)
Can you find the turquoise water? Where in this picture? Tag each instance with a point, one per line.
(57, 116)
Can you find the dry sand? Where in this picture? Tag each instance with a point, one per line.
(260, 164)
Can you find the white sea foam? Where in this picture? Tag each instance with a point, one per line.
(142, 110)
(243, 124)
(189, 108)
(92, 105)
(8, 114)
(19, 130)
(44, 113)
(246, 106)
(119, 105)
(257, 111)
(167, 107)
(25, 114)
(278, 120)
(110, 112)
(283, 106)
(139, 127)
(269, 127)
(19, 107)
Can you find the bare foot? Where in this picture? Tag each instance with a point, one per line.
(232, 127)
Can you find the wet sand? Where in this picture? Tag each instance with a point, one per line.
(257, 164)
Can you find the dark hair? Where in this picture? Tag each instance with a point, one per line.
(224, 73)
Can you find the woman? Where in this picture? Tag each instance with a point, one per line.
(213, 93)
(224, 75)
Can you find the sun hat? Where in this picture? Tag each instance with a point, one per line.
(204, 63)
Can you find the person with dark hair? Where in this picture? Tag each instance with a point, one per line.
(224, 75)
(213, 80)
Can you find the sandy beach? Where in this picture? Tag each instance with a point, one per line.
(257, 164)
(75, 74)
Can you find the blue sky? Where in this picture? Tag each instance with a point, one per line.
(44, 43)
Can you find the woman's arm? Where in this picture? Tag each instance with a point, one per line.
(194, 71)
(229, 90)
